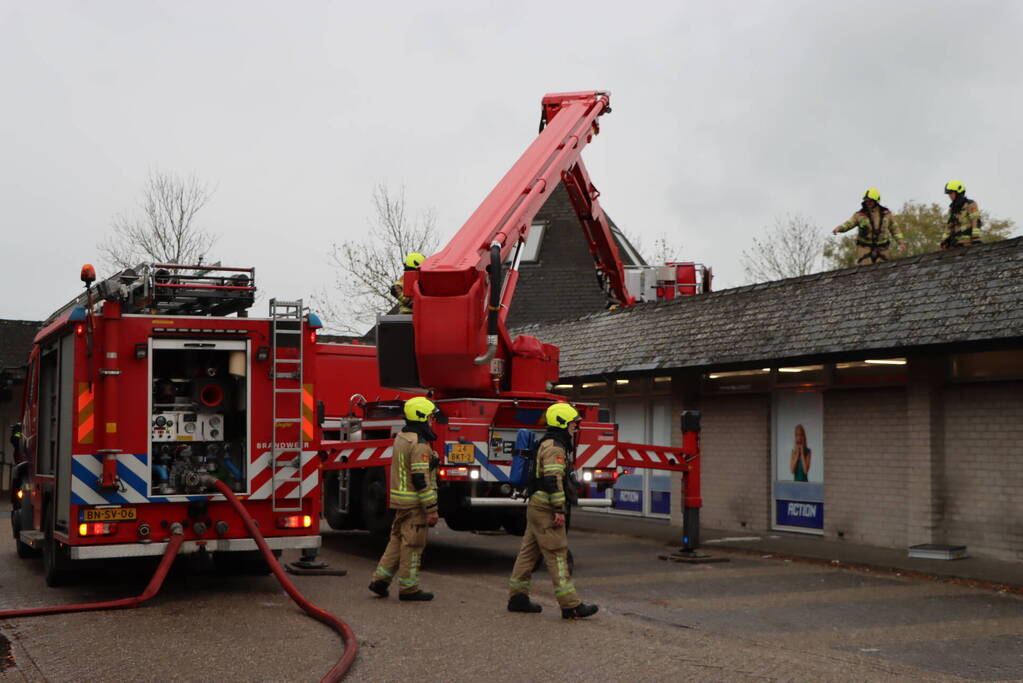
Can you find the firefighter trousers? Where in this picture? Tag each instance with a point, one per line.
(541, 539)
(867, 255)
(404, 550)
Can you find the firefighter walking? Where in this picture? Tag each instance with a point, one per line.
(875, 227)
(963, 223)
(414, 499)
(545, 521)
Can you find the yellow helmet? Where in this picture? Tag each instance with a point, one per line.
(873, 193)
(419, 409)
(414, 260)
(561, 415)
(955, 186)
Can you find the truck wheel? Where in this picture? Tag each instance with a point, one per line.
(375, 515)
(24, 549)
(515, 522)
(331, 502)
(55, 564)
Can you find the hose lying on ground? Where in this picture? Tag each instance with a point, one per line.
(336, 673)
(123, 603)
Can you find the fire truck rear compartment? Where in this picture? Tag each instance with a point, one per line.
(199, 421)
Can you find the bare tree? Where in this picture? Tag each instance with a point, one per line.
(790, 248)
(366, 268)
(166, 230)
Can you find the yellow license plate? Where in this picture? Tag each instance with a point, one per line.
(109, 515)
(462, 453)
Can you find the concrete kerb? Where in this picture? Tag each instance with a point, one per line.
(989, 574)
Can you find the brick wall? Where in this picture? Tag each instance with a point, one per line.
(984, 468)
(865, 439)
(736, 450)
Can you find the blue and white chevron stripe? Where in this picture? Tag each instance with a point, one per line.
(133, 471)
(489, 471)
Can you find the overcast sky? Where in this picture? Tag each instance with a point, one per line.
(725, 115)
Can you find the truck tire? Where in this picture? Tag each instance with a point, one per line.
(25, 551)
(331, 502)
(373, 502)
(514, 522)
(55, 563)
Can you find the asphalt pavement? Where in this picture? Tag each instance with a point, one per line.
(763, 614)
(993, 573)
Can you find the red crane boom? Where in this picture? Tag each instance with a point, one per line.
(460, 296)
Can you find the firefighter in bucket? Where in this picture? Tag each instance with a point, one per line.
(545, 520)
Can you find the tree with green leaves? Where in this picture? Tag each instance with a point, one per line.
(923, 228)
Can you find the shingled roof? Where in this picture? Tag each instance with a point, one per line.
(563, 265)
(966, 297)
(16, 341)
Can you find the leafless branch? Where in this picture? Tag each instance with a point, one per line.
(365, 269)
(165, 231)
(790, 248)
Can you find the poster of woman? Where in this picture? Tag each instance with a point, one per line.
(799, 460)
(799, 437)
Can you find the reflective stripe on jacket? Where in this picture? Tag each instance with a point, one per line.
(409, 458)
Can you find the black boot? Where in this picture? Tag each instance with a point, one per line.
(419, 596)
(380, 588)
(520, 602)
(580, 611)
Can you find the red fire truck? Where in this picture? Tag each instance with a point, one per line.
(142, 393)
(455, 344)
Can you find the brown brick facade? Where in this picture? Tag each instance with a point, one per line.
(736, 449)
(984, 468)
(865, 465)
(925, 463)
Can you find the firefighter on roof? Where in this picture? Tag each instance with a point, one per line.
(414, 499)
(876, 229)
(412, 262)
(963, 226)
(545, 521)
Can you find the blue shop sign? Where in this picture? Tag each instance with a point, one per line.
(800, 513)
(626, 499)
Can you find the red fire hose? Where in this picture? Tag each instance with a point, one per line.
(336, 673)
(124, 603)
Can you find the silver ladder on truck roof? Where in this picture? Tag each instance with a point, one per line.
(286, 375)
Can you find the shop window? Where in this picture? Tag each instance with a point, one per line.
(990, 365)
(871, 372)
(742, 381)
(633, 386)
(800, 376)
(593, 389)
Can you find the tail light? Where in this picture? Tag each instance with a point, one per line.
(599, 475)
(459, 474)
(97, 528)
(312, 336)
(294, 522)
(79, 330)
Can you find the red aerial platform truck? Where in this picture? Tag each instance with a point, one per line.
(142, 394)
(456, 346)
